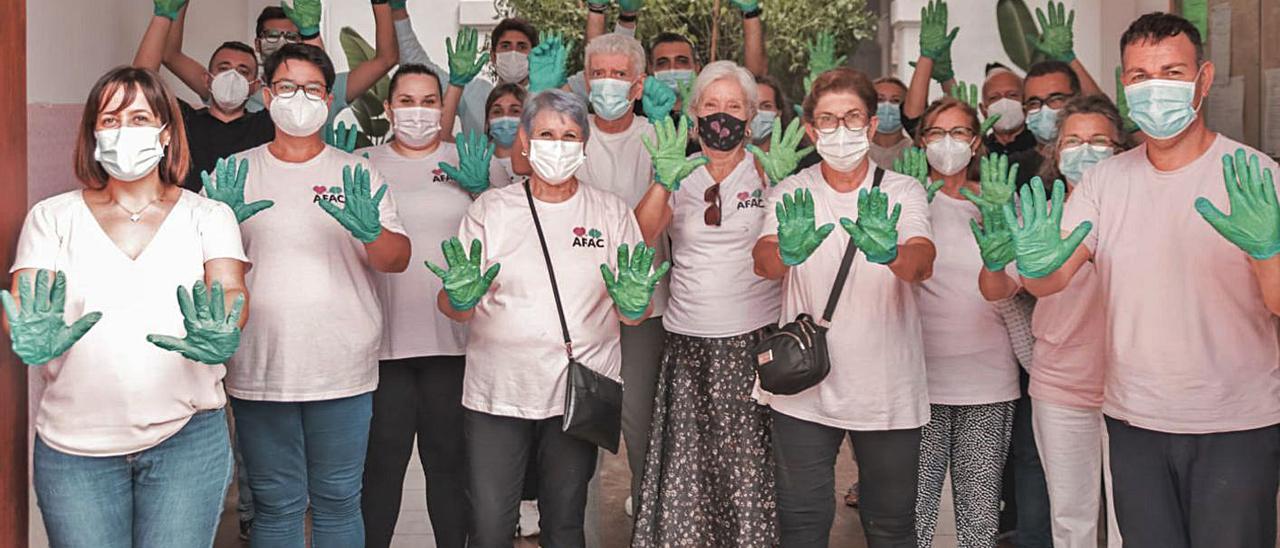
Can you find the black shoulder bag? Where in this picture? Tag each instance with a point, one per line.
(793, 358)
(592, 402)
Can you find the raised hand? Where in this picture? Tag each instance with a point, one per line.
(398, 4)
(1037, 243)
(305, 14)
(935, 42)
(360, 216)
(658, 100)
(968, 94)
(798, 235)
(475, 152)
(169, 8)
(746, 6)
(630, 6)
(632, 288)
(466, 61)
(1122, 104)
(822, 57)
(1057, 40)
(343, 137)
(1254, 222)
(670, 165)
(1197, 12)
(998, 182)
(876, 230)
(915, 164)
(37, 329)
(213, 334)
(228, 187)
(685, 89)
(547, 63)
(464, 284)
(782, 158)
(995, 240)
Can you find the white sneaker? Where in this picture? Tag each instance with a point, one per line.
(529, 516)
(627, 507)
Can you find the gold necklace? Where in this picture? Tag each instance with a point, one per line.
(135, 216)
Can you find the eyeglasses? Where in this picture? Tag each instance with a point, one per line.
(712, 196)
(285, 89)
(962, 133)
(274, 35)
(1054, 101)
(1097, 141)
(853, 120)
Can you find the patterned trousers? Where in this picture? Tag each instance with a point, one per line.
(972, 441)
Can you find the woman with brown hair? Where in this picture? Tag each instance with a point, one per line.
(131, 443)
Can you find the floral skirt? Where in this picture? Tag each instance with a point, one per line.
(709, 474)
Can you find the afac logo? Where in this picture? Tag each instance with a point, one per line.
(753, 199)
(328, 194)
(587, 238)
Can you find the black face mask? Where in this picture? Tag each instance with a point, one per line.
(721, 131)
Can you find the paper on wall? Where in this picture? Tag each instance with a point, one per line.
(1220, 42)
(1225, 108)
(1271, 112)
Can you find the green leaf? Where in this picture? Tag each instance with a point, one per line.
(355, 47)
(379, 127)
(372, 104)
(363, 141)
(1017, 32)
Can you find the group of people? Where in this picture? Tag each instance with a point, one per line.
(1035, 279)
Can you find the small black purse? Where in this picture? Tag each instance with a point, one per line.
(592, 402)
(793, 358)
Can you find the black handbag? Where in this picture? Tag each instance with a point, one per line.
(793, 358)
(592, 402)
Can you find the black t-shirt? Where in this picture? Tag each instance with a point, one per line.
(209, 138)
(1022, 151)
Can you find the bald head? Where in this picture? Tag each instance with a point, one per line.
(1001, 84)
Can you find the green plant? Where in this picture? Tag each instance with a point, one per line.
(367, 108)
(1018, 33)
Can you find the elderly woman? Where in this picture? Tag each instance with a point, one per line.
(514, 388)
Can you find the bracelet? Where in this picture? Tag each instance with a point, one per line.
(753, 13)
(627, 17)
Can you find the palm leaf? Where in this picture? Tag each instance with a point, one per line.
(1017, 32)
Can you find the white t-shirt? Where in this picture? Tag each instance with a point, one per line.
(715, 291)
(1192, 349)
(431, 206)
(501, 174)
(515, 356)
(877, 379)
(114, 393)
(966, 345)
(316, 324)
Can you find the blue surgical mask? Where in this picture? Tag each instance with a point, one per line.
(1162, 108)
(1073, 162)
(890, 115)
(610, 98)
(1043, 123)
(762, 125)
(675, 78)
(503, 130)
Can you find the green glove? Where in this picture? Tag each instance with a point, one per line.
(343, 137)
(212, 334)
(598, 3)
(630, 6)
(658, 100)
(1254, 223)
(360, 216)
(915, 164)
(822, 57)
(37, 329)
(474, 154)
(1197, 12)
(876, 231)
(746, 6)
(466, 61)
(968, 94)
(228, 188)
(169, 8)
(686, 94)
(670, 165)
(547, 68)
(1057, 40)
(935, 42)
(463, 282)
(998, 182)
(942, 69)
(1037, 243)
(1122, 104)
(781, 160)
(305, 14)
(995, 240)
(798, 235)
(398, 4)
(632, 289)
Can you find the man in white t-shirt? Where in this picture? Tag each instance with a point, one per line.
(1193, 364)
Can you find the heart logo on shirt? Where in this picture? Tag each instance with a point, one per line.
(319, 189)
(756, 194)
(594, 233)
(579, 231)
(335, 190)
(588, 238)
(437, 172)
(743, 196)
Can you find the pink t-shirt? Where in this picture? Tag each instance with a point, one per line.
(1191, 347)
(1069, 353)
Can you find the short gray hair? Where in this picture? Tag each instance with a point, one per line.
(559, 101)
(725, 70)
(617, 44)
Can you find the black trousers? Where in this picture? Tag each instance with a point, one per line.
(1195, 490)
(499, 449)
(422, 398)
(806, 452)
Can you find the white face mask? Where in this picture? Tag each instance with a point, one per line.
(513, 66)
(555, 161)
(949, 155)
(128, 153)
(1010, 111)
(269, 46)
(300, 115)
(416, 126)
(229, 89)
(843, 148)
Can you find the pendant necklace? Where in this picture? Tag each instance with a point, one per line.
(135, 216)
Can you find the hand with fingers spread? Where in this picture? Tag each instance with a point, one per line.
(36, 327)
(1057, 40)
(968, 94)
(466, 61)
(798, 233)
(361, 216)
(169, 8)
(1254, 222)
(783, 157)
(670, 165)
(213, 334)
(1037, 242)
(547, 63)
(995, 240)
(632, 289)
(464, 284)
(658, 100)
(342, 137)
(915, 164)
(822, 57)
(475, 152)
(227, 186)
(305, 14)
(998, 182)
(935, 41)
(876, 230)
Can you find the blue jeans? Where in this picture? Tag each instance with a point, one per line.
(302, 454)
(168, 495)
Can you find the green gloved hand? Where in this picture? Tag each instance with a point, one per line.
(466, 61)
(227, 186)
(746, 6)
(942, 69)
(475, 152)
(547, 68)
(781, 160)
(632, 289)
(658, 100)
(798, 235)
(1057, 40)
(686, 94)
(37, 328)
(212, 334)
(599, 4)
(1037, 243)
(998, 182)
(398, 4)
(1197, 12)
(1122, 104)
(306, 15)
(360, 216)
(463, 282)
(670, 165)
(822, 57)
(968, 94)
(630, 6)
(995, 240)
(343, 137)
(1254, 223)
(169, 8)
(915, 164)
(876, 230)
(935, 42)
